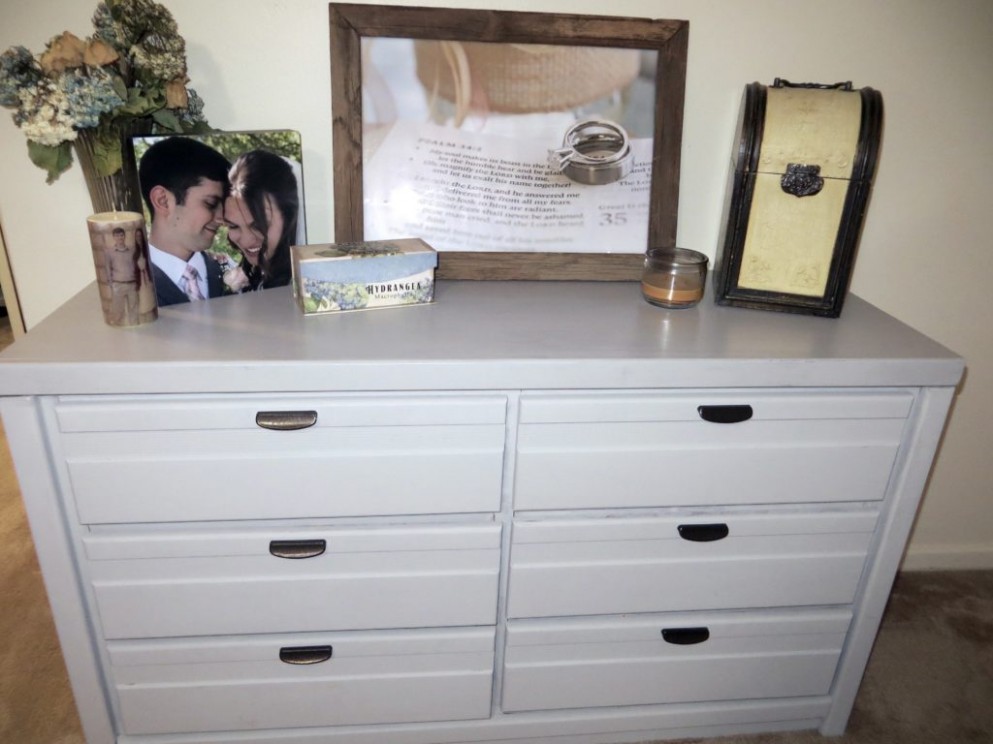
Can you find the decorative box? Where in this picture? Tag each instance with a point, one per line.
(369, 274)
(796, 198)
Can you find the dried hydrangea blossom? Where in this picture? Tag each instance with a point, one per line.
(159, 58)
(194, 108)
(149, 35)
(62, 53)
(90, 94)
(44, 115)
(18, 68)
(132, 69)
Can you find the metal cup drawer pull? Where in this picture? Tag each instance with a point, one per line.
(703, 532)
(725, 414)
(685, 636)
(301, 655)
(286, 420)
(296, 549)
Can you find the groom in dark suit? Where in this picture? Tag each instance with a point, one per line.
(184, 183)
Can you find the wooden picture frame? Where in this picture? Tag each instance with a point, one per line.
(351, 23)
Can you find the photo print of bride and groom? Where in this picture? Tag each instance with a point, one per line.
(222, 211)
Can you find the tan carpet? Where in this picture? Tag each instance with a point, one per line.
(930, 676)
(36, 706)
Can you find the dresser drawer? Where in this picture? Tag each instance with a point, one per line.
(198, 685)
(701, 657)
(665, 564)
(169, 584)
(165, 460)
(653, 449)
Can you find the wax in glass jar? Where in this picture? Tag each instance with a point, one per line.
(674, 277)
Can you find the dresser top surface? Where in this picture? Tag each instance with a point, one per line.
(476, 335)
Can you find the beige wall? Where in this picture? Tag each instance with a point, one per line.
(926, 254)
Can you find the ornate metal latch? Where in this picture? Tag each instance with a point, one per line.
(802, 180)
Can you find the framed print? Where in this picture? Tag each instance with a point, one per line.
(518, 145)
(222, 211)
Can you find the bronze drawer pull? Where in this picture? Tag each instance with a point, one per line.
(725, 414)
(286, 420)
(703, 532)
(304, 654)
(685, 636)
(296, 549)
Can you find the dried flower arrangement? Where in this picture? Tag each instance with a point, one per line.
(129, 75)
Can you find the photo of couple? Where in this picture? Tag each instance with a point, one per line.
(222, 211)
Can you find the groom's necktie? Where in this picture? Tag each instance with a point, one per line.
(191, 285)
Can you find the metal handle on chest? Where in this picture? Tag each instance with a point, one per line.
(780, 83)
(685, 636)
(703, 532)
(297, 549)
(303, 655)
(285, 420)
(727, 414)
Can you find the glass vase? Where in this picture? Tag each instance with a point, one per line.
(119, 191)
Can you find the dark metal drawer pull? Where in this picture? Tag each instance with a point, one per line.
(304, 654)
(725, 414)
(286, 420)
(685, 636)
(297, 548)
(703, 532)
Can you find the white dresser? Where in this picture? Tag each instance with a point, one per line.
(528, 511)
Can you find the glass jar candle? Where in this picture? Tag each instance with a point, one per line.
(674, 277)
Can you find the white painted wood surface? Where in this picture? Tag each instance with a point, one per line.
(399, 677)
(499, 478)
(395, 581)
(626, 661)
(182, 475)
(476, 336)
(601, 566)
(665, 463)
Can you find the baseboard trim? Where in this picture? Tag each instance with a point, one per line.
(948, 558)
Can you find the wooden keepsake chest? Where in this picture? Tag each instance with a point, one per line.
(797, 192)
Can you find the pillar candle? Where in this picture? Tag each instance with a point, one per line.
(123, 269)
